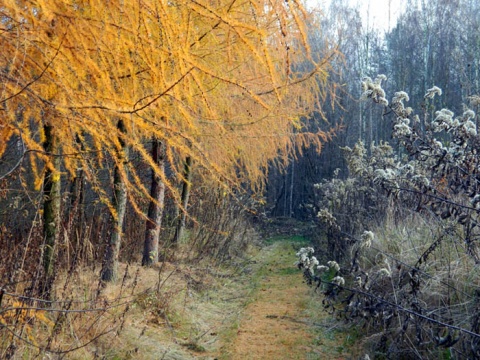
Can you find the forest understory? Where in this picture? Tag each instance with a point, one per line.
(258, 308)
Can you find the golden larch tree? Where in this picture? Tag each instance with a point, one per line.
(215, 81)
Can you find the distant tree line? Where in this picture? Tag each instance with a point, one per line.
(432, 43)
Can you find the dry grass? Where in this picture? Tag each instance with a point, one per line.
(177, 310)
(411, 239)
(187, 311)
(448, 276)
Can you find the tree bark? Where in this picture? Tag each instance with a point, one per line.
(119, 201)
(76, 214)
(292, 179)
(51, 209)
(155, 208)
(186, 186)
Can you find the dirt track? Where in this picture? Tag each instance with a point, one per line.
(276, 323)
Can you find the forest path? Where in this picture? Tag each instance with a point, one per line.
(283, 319)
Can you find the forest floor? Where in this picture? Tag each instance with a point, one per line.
(257, 309)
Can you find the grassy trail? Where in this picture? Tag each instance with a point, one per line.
(283, 319)
(258, 310)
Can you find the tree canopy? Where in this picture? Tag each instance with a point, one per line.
(219, 81)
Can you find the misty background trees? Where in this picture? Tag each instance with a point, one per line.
(431, 43)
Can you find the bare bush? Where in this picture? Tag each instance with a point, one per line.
(220, 226)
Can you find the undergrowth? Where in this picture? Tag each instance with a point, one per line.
(402, 236)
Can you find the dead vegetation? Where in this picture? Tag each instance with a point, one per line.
(403, 231)
(168, 309)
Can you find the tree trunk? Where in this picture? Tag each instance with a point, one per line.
(76, 214)
(187, 184)
(292, 184)
(51, 209)
(119, 201)
(155, 208)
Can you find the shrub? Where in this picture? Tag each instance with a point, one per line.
(409, 286)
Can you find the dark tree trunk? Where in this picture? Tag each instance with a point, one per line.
(186, 186)
(76, 214)
(51, 209)
(110, 266)
(155, 208)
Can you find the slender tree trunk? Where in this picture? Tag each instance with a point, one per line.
(76, 215)
(110, 266)
(51, 209)
(186, 186)
(155, 208)
(360, 122)
(292, 179)
(369, 129)
(285, 199)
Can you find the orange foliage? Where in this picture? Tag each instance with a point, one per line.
(216, 80)
(18, 314)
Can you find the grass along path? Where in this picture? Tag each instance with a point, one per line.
(283, 318)
(260, 309)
